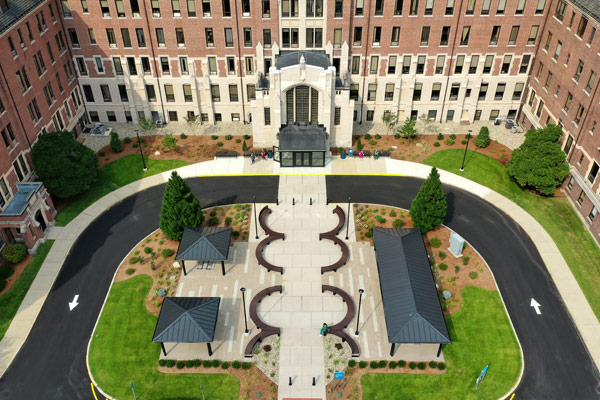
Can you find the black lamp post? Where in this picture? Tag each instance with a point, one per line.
(348, 222)
(255, 219)
(243, 290)
(360, 293)
(462, 168)
(137, 133)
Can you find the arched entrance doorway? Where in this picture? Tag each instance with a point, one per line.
(40, 219)
(302, 104)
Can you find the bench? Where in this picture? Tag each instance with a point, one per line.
(258, 338)
(384, 153)
(343, 259)
(266, 329)
(262, 218)
(248, 153)
(226, 153)
(338, 329)
(341, 219)
(261, 259)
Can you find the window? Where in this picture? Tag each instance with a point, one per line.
(593, 173)
(532, 35)
(514, 34)
(520, 7)
(421, 64)
(506, 64)
(215, 93)
(226, 8)
(568, 102)
(494, 114)
(417, 91)
(267, 38)
(518, 91)
(395, 35)
(314, 8)
(548, 80)
(483, 91)
(123, 93)
(164, 66)
(487, 65)
(591, 82)
(449, 7)
(458, 67)
(560, 10)
(212, 66)
(370, 115)
(210, 38)
(372, 92)
(581, 198)
(578, 71)
(74, 39)
(246, 8)
(359, 10)
(500, 88)
(439, 64)
(337, 38)
(135, 8)
(414, 7)
(155, 8)
(228, 37)
(435, 91)
(548, 41)
(485, 9)
(87, 92)
(205, 8)
(445, 36)
(160, 37)
(120, 8)
(247, 37)
(470, 7)
(558, 49)
(339, 8)
(389, 92)
(81, 66)
(169, 93)
(398, 7)
(374, 64)
(406, 64)
(525, 64)
(464, 38)
(592, 214)
(66, 8)
(187, 93)
(454, 90)
(477, 116)
(8, 136)
(191, 7)
(473, 64)
(591, 38)
(579, 114)
(99, 65)
(105, 90)
(354, 91)
(392, 65)
(150, 93)
(495, 35)
(183, 66)
(180, 37)
(233, 93)
(104, 8)
(425, 36)
(141, 39)
(501, 7)
(266, 8)
(146, 65)
(126, 38)
(429, 7)
(355, 65)
(249, 65)
(541, 4)
(582, 26)
(289, 8)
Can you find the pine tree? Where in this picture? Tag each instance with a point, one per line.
(115, 142)
(428, 208)
(180, 208)
(483, 139)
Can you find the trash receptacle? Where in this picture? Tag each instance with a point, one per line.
(270, 153)
(343, 154)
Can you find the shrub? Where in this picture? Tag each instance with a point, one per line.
(180, 364)
(453, 136)
(380, 219)
(183, 136)
(359, 145)
(449, 142)
(373, 142)
(115, 142)
(362, 364)
(162, 362)
(126, 139)
(180, 208)
(378, 136)
(483, 139)
(197, 363)
(225, 365)
(382, 364)
(133, 260)
(351, 363)
(373, 365)
(393, 213)
(399, 223)
(396, 135)
(228, 137)
(436, 144)
(14, 253)
(443, 266)
(440, 136)
(392, 364)
(135, 145)
(442, 254)
(473, 274)
(435, 242)
(213, 212)
(369, 233)
(238, 140)
(412, 365)
(228, 221)
(463, 141)
(169, 142)
(130, 271)
(236, 364)
(101, 153)
(170, 363)
(367, 136)
(246, 137)
(6, 271)
(456, 268)
(441, 366)
(147, 250)
(220, 144)
(214, 137)
(465, 260)
(402, 363)
(213, 221)
(432, 364)
(235, 234)
(244, 146)
(189, 363)
(245, 365)
(167, 253)
(421, 365)
(206, 364)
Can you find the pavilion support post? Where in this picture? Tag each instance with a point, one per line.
(210, 353)
(162, 345)
(393, 350)
(439, 350)
(223, 267)
(183, 266)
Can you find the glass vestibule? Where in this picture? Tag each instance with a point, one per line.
(302, 158)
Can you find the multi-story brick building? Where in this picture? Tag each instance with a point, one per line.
(38, 92)
(337, 63)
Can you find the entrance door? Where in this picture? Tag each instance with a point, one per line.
(40, 219)
(302, 159)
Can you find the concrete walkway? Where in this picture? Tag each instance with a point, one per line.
(573, 297)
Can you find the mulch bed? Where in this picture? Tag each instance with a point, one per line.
(18, 268)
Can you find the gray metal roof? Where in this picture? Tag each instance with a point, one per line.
(303, 136)
(318, 58)
(590, 7)
(17, 9)
(412, 309)
(204, 244)
(20, 202)
(187, 320)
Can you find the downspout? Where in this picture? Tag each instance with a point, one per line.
(450, 67)
(239, 51)
(162, 105)
(12, 99)
(362, 96)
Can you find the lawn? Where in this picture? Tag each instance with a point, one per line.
(122, 352)
(555, 214)
(111, 177)
(481, 334)
(12, 299)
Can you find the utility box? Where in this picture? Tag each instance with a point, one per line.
(456, 244)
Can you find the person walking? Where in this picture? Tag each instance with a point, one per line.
(252, 157)
(324, 330)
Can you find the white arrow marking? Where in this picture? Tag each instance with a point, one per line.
(536, 306)
(74, 303)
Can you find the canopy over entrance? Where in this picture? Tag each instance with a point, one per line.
(302, 145)
(204, 244)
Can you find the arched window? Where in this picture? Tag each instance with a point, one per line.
(302, 104)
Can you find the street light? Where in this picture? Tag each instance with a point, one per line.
(360, 293)
(137, 133)
(243, 290)
(462, 168)
(348, 222)
(255, 220)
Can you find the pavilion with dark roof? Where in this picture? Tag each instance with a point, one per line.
(187, 320)
(413, 313)
(204, 244)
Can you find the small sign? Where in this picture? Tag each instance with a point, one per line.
(338, 375)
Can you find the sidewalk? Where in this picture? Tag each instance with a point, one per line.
(573, 297)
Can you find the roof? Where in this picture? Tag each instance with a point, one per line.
(412, 309)
(303, 136)
(187, 320)
(318, 58)
(590, 7)
(17, 9)
(20, 202)
(204, 244)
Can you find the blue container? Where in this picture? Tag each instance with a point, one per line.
(270, 153)
(343, 154)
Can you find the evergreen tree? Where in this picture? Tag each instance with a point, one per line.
(180, 208)
(428, 208)
(483, 139)
(407, 130)
(115, 142)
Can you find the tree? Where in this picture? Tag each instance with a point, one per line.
(115, 142)
(483, 139)
(389, 120)
(146, 125)
(65, 166)
(359, 145)
(169, 142)
(407, 130)
(428, 208)
(539, 162)
(180, 208)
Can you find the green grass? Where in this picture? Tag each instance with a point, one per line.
(12, 299)
(111, 177)
(481, 334)
(555, 214)
(122, 352)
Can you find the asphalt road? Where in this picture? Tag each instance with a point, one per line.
(51, 364)
(557, 364)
